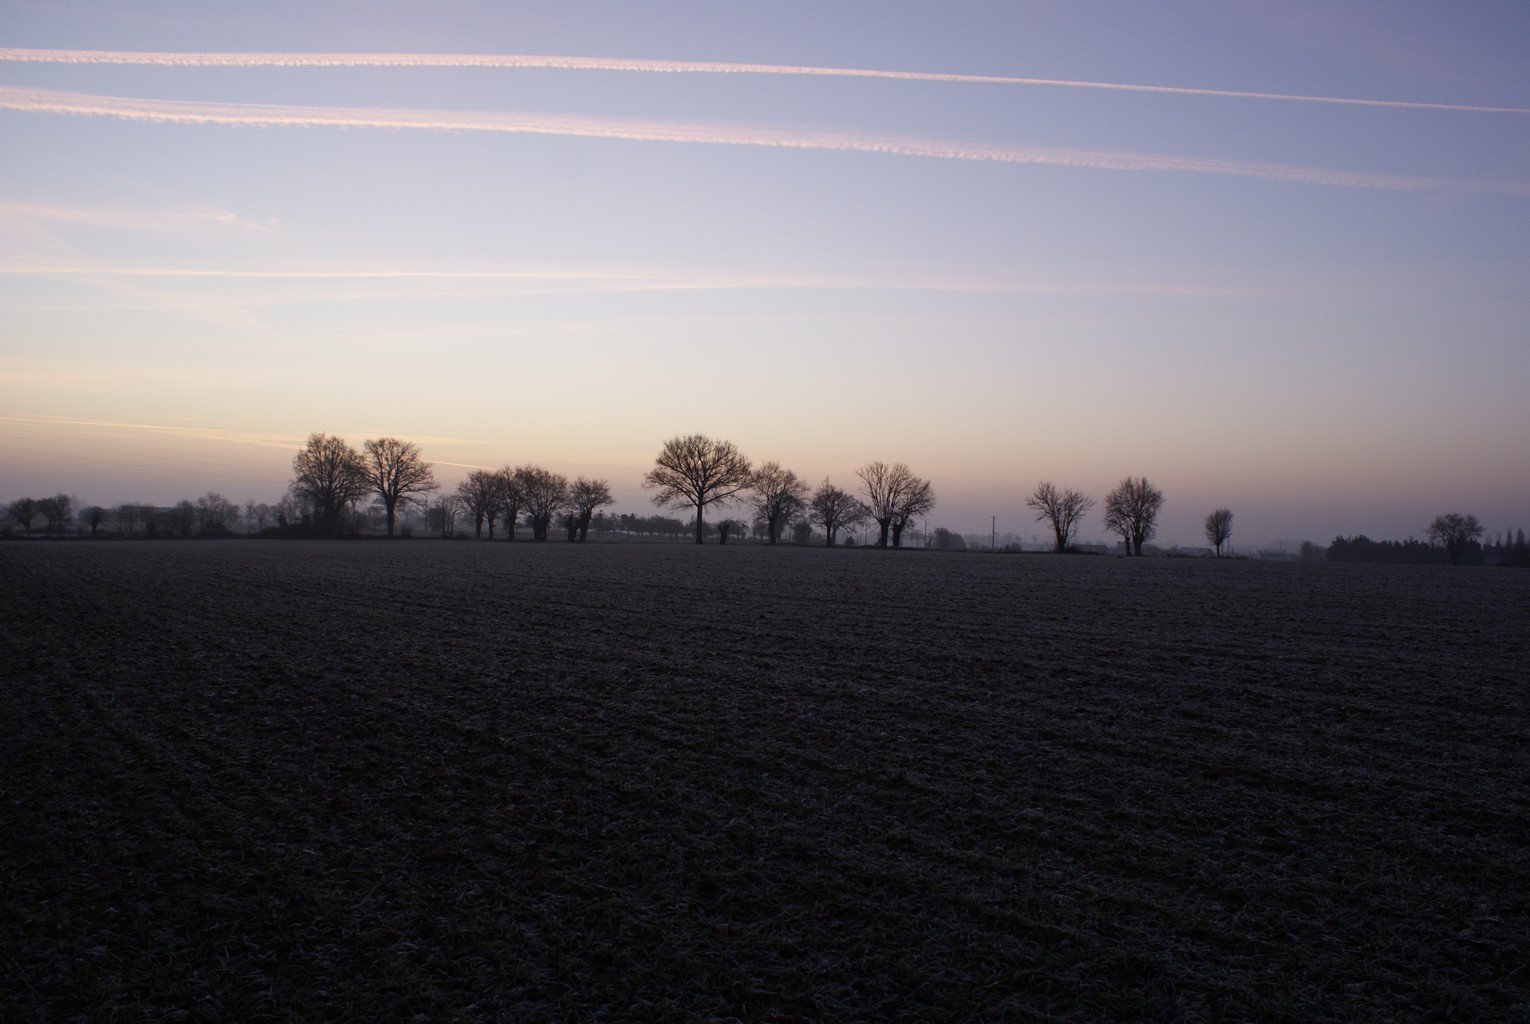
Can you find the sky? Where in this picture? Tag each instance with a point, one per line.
(1273, 257)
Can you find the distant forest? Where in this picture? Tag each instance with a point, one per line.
(1506, 549)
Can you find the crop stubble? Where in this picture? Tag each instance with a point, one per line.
(280, 780)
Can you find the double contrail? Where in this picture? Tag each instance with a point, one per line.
(716, 133)
(474, 60)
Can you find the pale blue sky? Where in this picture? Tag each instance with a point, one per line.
(1312, 312)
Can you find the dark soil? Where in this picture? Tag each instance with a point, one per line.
(445, 781)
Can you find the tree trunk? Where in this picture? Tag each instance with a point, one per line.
(701, 530)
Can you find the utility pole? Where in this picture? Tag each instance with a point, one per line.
(993, 532)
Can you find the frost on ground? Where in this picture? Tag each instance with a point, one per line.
(260, 781)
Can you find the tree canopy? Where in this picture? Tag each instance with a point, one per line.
(1132, 511)
(698, 471)
(1063, 510)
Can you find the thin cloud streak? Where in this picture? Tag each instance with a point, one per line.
(566, 63)
(197, 433)
(52, 101)
(661, 280)
(182, 220)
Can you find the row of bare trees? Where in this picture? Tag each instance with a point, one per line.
(697, 472)
(492, 496)
(211, 515)
(331, 477)
(56, 513)
(693, 471)
(1131, 510)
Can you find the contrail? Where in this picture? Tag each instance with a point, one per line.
(475, 60)
(199, 433)
(608, 280)
(715, 133)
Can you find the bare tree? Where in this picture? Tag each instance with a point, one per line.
(442, 514)
(894, 495)
(945, 540)
(331, 477)
(22, 511)
(1132, 511)
(128, 515)
(1062, 509)
(729, 527)
(584, 497)
(918, 498)
(695, 471)
(293, 509)
(216, 516)
(396, 472)
(512, 499)
(1219, 528)
(182, 520)
(834, 509)
(56, 511)
(258, 515)
(779, 497)
(544, 492)
(1455, 533)
(93, 516)
(480, 496)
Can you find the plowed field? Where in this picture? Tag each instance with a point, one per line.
(444, 781)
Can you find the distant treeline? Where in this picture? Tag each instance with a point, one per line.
(1507, 549)
(387, 487)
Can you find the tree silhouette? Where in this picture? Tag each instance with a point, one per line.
(584, 497)
(1455, 533)
(894, 495)
(1132, 511)
(480, 496)
(93, 516)
(442, 514)
(1219, 528)
(512, 499)
(395, 472)
(22, 511)
(330, 476)
(182, 519)
(128, 515)
(544, 492)
(779, 497)
(56, 511)
(834, 509)
(945, 540)
(1062, 509)
(216, 516)
(917, 500)
(696, 471)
